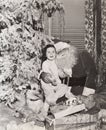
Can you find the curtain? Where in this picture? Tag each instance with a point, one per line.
(103, 43)
(89, 27)
(95, 35)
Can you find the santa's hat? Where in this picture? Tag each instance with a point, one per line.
(61, 45)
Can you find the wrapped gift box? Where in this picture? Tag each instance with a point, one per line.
(63, 110)
(78, 121)
(89, 126)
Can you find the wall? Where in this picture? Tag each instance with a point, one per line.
(74, 20)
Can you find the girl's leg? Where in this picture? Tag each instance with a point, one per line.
(50, 100)
(62, 90)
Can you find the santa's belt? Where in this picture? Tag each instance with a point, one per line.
(75, 81)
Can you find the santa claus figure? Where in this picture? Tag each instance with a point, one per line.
(76, 69)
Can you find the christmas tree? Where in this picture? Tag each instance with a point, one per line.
(21, 41)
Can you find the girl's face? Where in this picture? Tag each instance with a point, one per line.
(51, 53)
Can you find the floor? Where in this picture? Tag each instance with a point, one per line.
(6, 117)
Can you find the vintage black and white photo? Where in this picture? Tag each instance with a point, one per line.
(52, 64)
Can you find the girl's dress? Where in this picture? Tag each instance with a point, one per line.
(51, 92)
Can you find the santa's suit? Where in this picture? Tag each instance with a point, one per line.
(83, 74)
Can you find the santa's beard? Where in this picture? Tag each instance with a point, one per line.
(69, 60)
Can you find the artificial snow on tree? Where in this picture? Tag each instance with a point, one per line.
(21, 41)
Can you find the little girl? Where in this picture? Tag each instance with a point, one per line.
(55, 89)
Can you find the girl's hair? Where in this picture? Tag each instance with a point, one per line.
(44, 51)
